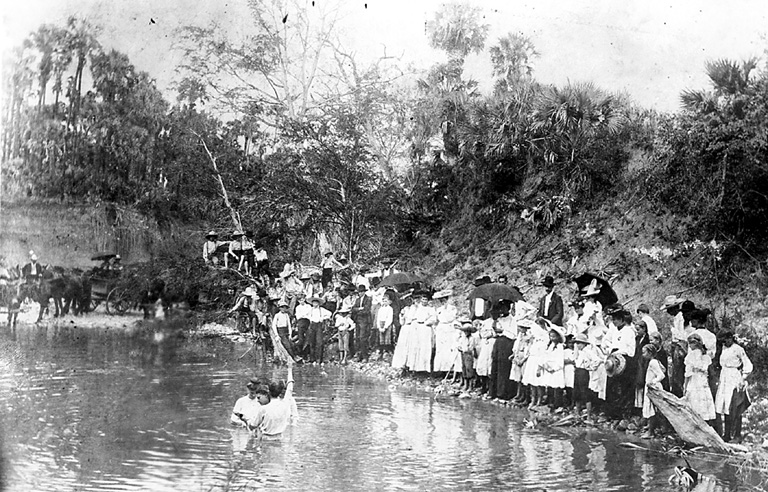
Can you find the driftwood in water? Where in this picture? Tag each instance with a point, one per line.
(688, 424)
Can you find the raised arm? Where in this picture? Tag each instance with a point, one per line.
(289, 383)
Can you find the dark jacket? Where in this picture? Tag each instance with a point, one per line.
(361, 311)
(555, 314)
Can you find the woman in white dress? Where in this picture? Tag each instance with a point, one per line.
(405, 338)
(447, 335)
(736, 366)
(423, 320)
(531, 373)
(551, 366)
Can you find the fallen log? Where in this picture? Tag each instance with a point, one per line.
(280, 352)
(688, 424)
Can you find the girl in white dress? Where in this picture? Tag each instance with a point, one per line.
(551, 366)
(697, 391)
(531, 373)
(654, 375)
(484, 351)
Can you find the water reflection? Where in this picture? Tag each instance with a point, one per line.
(134, 410)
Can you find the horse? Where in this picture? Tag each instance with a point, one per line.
(70, 289)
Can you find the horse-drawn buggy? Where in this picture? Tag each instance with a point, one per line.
(105, 285)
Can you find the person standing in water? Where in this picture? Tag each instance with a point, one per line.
(276, 413)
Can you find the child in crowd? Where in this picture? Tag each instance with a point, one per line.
(569, 370)
(344, 325)
(384, 320)
(697, 391)
(519, 357)
(467, 346)
(654, 376)
(532, 375)
(583, 362)
(485, 350)
(552, 377)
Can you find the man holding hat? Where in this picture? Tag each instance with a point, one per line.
(361, 315)
(551, 305)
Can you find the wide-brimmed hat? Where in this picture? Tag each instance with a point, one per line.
(253, 383)
(613, 308)
(421, 293)
(33, 257)
(592, 289)
(345, 310)
(304, 276)
(548, 281)
(557, 329)
(315, 275)
(482, 280)
(581, 338)
(283, 304)
(237, 233)
(525, 323)
(615, 365)
(212, 234)
(465, 324)
(315, 298)
(328, 253)
(362, 288)
(671, 301)
(695, 337)
(250, 291)
(442, 294)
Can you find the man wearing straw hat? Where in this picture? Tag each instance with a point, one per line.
(209, 248)
(361, 315)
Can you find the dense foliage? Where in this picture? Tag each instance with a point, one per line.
(287, 133)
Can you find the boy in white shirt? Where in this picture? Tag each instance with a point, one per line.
(344, 325)
(384, 319)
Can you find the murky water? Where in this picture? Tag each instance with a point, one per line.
(110, 410)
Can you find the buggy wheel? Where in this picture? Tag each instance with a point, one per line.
(117, 303)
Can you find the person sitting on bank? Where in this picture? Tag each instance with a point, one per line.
(329, 266)
(247, 261)
(262, 262)
(235, 249)
(248, 407)
(247, 302)
(209, 248)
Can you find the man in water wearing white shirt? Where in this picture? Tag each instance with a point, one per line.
(248, 407)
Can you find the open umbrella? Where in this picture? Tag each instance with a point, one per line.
(103, 255)
(606, 297)
(495, 292)
(400, 278)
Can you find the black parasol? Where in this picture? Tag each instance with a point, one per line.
(400, 278)
(495, 292)
(103, 255)
(606, 297)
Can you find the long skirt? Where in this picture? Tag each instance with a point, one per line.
(699, 396)
(404, 342)
(581, 391)
(420, 352)
(446, 355)
(730, 377)
(483, 364)
(501, 386)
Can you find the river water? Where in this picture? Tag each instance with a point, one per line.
(107, 409)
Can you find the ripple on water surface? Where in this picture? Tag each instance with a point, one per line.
(104, 410)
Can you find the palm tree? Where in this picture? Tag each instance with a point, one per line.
(730, 80)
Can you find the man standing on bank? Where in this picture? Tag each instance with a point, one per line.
(551, 305)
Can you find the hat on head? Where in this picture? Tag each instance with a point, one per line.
(581, 338)
(671, 301)
(237, 233)
(253, 383)
(442, 294)
(283, 304)
(329, 252)
(304, 276)
(548, 281)
(695, 337)
(249, 291)
(315, 275)
(345, 310)
(421, 293)
(212, 234)
(315, 298)
(33, 257)
(482, 280)
(613, 308)
(557, 329)
(362, 288)
(525, 323)
(576, 303)
(615, 365)
(592, 289)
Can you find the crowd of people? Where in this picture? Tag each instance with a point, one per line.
(578, 356)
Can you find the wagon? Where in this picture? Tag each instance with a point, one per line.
(104, 287)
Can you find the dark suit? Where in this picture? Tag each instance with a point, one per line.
(361, 315)
(555, 313)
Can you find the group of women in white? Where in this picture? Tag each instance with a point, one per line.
(599, 357)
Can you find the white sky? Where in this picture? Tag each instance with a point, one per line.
(652, 49)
